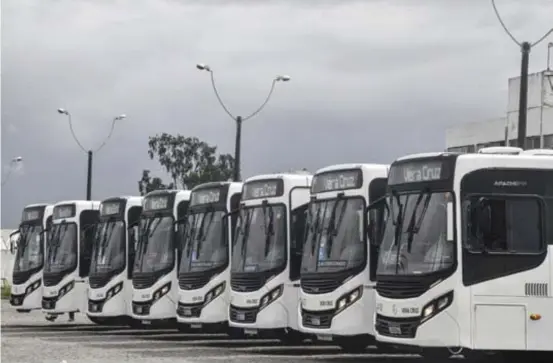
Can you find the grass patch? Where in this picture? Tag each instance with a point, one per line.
(6, 290)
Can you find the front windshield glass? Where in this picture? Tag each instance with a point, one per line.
(335, 238)
(155, 250)
(109, 247)
(415, 237)
(204, 242)
(62, 248)
(261, 240)
(30, 250)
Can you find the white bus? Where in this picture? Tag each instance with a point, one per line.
(26, 290)
(154, 276)
(338, 271)
(266, 256)
(69, 250)
(110, 287)
(465, 264)
(206, 235)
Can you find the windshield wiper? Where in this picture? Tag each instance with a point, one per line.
(414, 223)
(246, 232)
(202, 233)
(314, 225)
(59, 237)
(269, 232)
(332, 230)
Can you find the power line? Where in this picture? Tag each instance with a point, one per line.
(511, 35)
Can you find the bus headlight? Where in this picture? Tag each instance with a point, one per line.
(162, 291)
(35, 285)
(437, 305)
(271, 296)
(348, 299)
(213, 293)
(114, 290)
(65, 289)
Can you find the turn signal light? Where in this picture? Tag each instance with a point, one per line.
(535, 317)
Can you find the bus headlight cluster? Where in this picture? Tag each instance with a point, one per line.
(114, 290)
(35, 285)
(271, 296)
(348, 299)
(65, 289)
(437, 305)
(162, 291)
(213, 293)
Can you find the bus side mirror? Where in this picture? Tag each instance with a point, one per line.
(450, 234)
(13, 240)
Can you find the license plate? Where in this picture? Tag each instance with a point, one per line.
(395, 330)
(324, 338)
(146, 322)
(16, 301)
(196, 326)
(316, 321)
(250, 331)
(94, 308)
(240, 316)
(187, 312)
(139, 309)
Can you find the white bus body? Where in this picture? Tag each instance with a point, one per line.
(69, 248)
(266, 256)
(26, 290)
(206, 235)
(154, 276)
(465, 264)
(338, 269)
(110, 285)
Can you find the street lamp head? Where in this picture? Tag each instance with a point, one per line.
(17, 159)
(62, 111)
(282, 78)
(121, 117)
(203, 67)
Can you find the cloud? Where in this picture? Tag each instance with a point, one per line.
(371, 80)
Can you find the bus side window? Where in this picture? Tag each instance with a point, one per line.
(234, 205)
(133, 216)
(297, 239)
(87, 220)
(182, 210)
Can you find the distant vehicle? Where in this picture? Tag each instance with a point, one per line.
(338, 271)
(69, 250)
(26, 289)
(204, 275)
(154, 277)
(110, 285)
(266, 256)
(465, 264)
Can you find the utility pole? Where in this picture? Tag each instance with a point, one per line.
(523, 97)
(237, 148)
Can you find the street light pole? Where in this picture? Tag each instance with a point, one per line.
(13, 161)
(523, 97)
(239, 119)
(89, 152)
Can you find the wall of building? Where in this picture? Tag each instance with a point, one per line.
(472, 136)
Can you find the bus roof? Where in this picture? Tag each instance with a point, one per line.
(362, 166)
(285, 176)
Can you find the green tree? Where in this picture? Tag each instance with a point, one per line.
(188, 160)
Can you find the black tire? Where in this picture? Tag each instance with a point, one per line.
(291, 337)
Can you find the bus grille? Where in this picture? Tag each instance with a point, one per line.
(144, 281)
(536, 289)
(97, 281)
(252, 282)
(52, 279)
(193, 280)
(400, 289)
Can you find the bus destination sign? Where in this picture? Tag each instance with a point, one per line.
(156, 202)
(263, 189)
(337, 180)
(205, 196)
(32, 214)
(415, 172)
(110, 208)
(64, 211)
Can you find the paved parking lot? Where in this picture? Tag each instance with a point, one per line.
(29, 338)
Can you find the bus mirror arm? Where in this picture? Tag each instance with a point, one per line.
(232, 212)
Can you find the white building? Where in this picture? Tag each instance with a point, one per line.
(473, 136)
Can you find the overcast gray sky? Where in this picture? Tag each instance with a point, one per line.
(371, 80)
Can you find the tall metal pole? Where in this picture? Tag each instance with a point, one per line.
(89, 177)
(523, 98)
(237, 148)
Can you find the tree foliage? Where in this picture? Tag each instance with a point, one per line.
(188, 160)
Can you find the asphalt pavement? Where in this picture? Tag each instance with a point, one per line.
(29, 338)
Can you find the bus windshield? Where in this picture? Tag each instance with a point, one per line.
(155, 250)
(415, 236)
(205, 244)
(30, 250)
(335, 238)
(62, 248)
(109, 247)
(261, 239)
